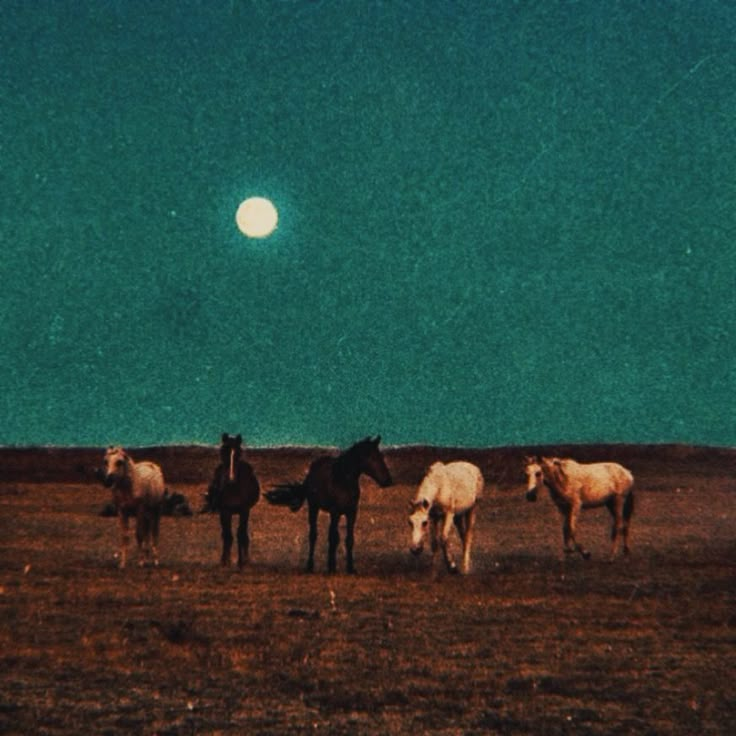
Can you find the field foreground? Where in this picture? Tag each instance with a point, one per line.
(527, 643)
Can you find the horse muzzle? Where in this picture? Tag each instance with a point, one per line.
(108, 481)
(531, 495)
(416, 550)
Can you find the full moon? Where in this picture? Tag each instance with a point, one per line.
(256, 217)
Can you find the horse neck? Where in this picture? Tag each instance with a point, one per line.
(127, 480)
(429, 489)
(230, 466)
(124, 486)
(347, 467)
(557, 495)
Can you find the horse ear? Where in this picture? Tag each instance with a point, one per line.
(224, 437)
(377, 441)
(239, 439)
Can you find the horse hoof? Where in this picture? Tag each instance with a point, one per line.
(453, 570)
(586, 555)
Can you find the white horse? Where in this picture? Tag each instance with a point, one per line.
(137, 490)
(574, 486)
(447, 494)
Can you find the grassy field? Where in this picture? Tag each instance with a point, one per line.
(527, 643)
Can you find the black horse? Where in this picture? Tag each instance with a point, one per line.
(332, 485)
(234, 490)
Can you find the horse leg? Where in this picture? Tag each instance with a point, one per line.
(572, 522)
(461, 524)
(313, 514)
(243, 538)
(467, 538)
(628, 511)
(434, 541)
(445, 542)
(226, 518)
(350, 540)
(334, 540)
(615, 506)
(124, 538)
(155, 526)
(142, 532)
(566, 546)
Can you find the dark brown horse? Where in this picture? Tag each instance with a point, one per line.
(332, 485)
(234, 490)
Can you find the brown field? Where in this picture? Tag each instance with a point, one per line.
(527, 643)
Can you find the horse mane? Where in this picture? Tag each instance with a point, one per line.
(347, 457)
(554, 472)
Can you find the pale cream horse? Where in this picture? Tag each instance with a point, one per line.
(448, 494)
(138, 490)
(575, 486)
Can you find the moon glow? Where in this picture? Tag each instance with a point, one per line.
(257, 217)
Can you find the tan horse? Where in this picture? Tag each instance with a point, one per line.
(448, 494)
(574, 486)
(138, 490)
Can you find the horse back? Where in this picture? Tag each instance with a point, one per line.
(148, 484)
(600, 481)
(461, 486)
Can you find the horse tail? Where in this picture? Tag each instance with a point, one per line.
(292, 495)
(629, 506)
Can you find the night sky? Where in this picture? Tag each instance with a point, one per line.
(500, 222)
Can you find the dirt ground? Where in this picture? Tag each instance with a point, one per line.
(526, 643)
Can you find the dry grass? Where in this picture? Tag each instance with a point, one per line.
(525, 644)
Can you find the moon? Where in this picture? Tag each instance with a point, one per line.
(257, 217)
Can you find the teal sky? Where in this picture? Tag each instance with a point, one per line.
(500, 222)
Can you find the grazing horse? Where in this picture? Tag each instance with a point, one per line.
(332, 485)
(574, 486)
(137, 490)
(448, 494)
(234, 490)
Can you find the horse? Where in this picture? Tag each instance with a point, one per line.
(448, 494)
(234, 490)
(575, 486)
(332, 485)
(138, 490)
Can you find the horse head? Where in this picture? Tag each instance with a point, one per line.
(418, 522)
(534, 477)
(370, 461)
(231, 451)
(117, 466)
